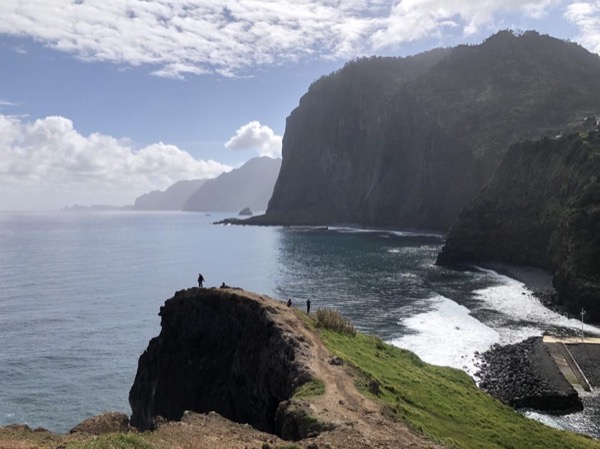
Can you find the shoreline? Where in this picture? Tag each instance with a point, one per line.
(537, 280)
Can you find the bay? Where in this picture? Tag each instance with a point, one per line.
(80, 294)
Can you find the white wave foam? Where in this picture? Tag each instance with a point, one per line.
(517, 304)
(446, 335)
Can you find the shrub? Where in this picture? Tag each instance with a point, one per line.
(332, 319)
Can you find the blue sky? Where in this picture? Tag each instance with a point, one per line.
(103, 100)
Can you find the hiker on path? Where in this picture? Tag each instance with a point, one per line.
(200, 280)
(308, 306)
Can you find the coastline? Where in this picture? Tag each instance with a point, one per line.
(537, 280)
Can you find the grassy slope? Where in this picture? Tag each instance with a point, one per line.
(443, 403)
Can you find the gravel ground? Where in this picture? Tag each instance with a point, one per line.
(587, 357)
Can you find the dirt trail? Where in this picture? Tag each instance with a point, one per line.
(360, 421)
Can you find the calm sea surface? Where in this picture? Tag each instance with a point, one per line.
(80, 294)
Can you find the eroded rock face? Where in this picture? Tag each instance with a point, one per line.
(541, 209)
(221, 350)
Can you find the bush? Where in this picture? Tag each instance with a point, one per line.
(332, 319)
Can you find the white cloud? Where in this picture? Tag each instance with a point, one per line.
(6, 103)
(179, 37)
(256, 137)
(586, 16)
(47, 164)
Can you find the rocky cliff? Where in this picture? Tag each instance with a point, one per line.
(542, 209)
(408, 141)
(223, 351)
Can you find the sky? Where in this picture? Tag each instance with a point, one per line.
(104, 100)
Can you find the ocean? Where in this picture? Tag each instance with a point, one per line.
(80, 294)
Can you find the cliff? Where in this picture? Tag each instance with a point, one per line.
(406, 142)
(541, 209)
(251, 186)
(241, 353)
(220, 351)
(252, 360)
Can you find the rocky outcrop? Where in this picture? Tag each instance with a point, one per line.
(221, 350)
(406, 142)
(524, 375)
(541, 209)
(245, 211)
(109, 422)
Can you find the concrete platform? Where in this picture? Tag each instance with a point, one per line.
(577, 358)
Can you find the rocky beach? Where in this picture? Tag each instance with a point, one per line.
(525, 375)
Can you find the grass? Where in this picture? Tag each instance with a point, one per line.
(443, 403)
(333, 320)
(310, 389)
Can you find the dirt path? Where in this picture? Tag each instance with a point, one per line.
(360, 421)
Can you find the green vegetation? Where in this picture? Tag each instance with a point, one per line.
(543, 205)
(333, 320)
(315, 387)
(443, 403)
(112, 441)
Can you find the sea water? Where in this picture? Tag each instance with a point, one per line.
(80, 294)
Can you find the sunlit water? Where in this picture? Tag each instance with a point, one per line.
(80, 293)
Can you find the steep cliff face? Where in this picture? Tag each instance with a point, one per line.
(407, 141)
(218, 351)
(541, 208)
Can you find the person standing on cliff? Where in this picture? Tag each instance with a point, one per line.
(308, 306)
(200, 280)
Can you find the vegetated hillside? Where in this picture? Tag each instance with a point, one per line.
(251, 186)
(542, 208)
(173, 198)
(408, 141)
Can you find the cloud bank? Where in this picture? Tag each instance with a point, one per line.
(586, 16)
(256, 137)
(230, 36)
(47, 164)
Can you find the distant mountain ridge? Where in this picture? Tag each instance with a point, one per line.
(406, 142)
(174, 198)
(251, 186)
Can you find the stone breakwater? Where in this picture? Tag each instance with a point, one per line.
(524, 375)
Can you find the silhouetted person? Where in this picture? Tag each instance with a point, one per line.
(289, 302)
(200, 280)
(224, 285)
(308, 306)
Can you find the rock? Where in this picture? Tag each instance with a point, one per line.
(245, 211)
(294, 421)
(525, 375)
(336, 361)
(374, 387)
(105, 423)
(543, 205)
(221, 350)
(407, 142)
